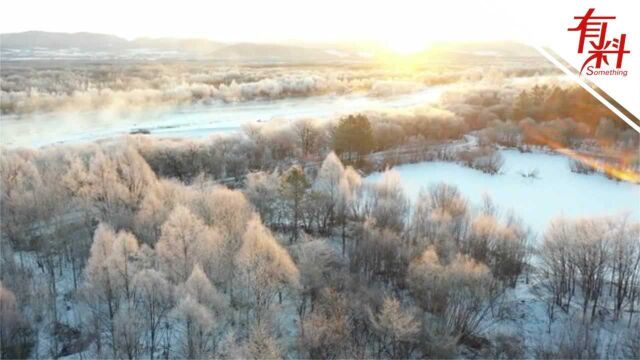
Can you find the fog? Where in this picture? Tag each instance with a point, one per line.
(48, 106)
(27, 89)
(194, 121)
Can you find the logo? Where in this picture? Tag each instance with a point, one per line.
(601, 48)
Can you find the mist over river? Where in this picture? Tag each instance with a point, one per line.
(192, 121)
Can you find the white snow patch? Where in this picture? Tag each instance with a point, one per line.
(557, 191)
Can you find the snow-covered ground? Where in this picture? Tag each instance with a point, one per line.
(556, 192)
(523, 317)
(194, 121)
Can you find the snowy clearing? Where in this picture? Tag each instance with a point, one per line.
(556, 192)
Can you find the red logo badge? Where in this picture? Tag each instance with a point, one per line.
(600, 48)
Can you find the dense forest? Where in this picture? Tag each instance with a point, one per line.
(270, 244)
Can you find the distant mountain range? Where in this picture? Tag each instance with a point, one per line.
(85, 41)
(52, 41)
(41, 45)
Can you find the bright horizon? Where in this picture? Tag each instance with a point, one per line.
(404, 26)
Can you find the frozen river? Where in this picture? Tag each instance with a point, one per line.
(557, 191)
(191, 121)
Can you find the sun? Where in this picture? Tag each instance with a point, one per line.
(405, 46)
(403, 53)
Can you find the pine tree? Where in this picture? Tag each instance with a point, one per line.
(353, 136)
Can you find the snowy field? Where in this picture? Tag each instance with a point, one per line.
(193, 121)
(556, 192)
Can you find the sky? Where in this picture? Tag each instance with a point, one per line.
(397, 23)
(403, 26)
(400, 24)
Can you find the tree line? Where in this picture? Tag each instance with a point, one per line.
(112, 259)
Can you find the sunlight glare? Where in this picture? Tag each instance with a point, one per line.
(406, 46)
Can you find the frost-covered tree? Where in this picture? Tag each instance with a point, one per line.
(504, 247)
(355, 186)
(315, 213)
(340, 187)
(447, 201)
(262, 344)
(109, 277)
(199, 287)
(631, 343)
(387, 203)
(396, 328)
(349, 201)
(586, 254)
(198, 326)
(482, 237)
(58, 236)
(185, 240)
(19, 182)
(265, 268)
(129, 330)
(590, 255)
(309, 136)
(199, 297)
(226, 212)
(158, 203)
(230, 348)
(100, 186)
(558, 270)
(378, 253)
(429, 227)
(125, 248)
(510, 251)
(325, 332)
(447, 198)
(459, 293)
(624, 262)
(135, 174)
(154, 296)
(225, 209)
(471, 295)
(114, 184)
(426, 281)
(317, 262)
(262, 190)
(328, 182)
(15, 333)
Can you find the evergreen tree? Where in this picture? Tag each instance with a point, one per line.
(293, 185)
(353, 136)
